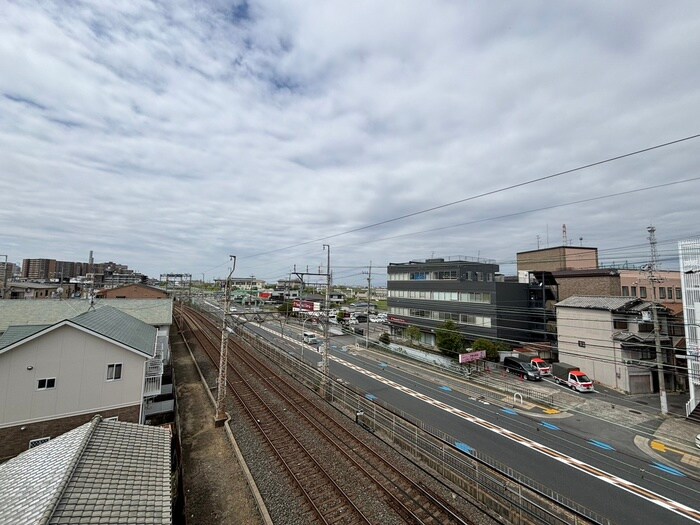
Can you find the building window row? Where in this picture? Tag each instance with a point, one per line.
(440, 275)
(466, 319)
(666, 292)
(463, 297)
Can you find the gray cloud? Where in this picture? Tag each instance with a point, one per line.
(169, 135)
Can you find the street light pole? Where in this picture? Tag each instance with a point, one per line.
(221, 417)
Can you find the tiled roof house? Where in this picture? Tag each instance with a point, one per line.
(101, 472)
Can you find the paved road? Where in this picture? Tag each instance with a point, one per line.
(588, 438)
(608, 449)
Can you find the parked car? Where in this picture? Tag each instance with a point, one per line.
(543, 366)
(524, 369)
(572, 377)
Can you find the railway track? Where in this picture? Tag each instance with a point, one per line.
(339, 477)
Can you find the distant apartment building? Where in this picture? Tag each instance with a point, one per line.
(426, 294)
(38, 269)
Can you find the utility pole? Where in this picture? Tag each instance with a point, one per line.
(221, 417)
(369, 298)
(653, 281)
(326, 331)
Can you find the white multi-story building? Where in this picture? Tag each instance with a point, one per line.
(689, 251)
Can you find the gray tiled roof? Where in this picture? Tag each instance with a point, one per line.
(119, 326)
(106, 321)
(49, 311)
(598, 302)
(17, 333)
(101, 472)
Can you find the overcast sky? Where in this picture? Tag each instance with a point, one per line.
(169, 135)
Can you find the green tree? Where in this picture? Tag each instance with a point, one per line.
(285, 308)
(413, 333)
(448, 339)
(490, 347)
(384, 338)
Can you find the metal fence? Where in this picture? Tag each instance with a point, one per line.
(493, 485)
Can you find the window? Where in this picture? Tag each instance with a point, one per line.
(646, 328)
(620, 324)
(633, 291)
(643, 292)
(36, 442)
(45, 384)
(625, 291)
(114, 372)
(669, 292)
(678, 294)
(662, 293)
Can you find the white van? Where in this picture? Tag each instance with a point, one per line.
(310, 338)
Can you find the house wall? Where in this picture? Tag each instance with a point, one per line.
(78, 361)
(589, 285)
(599, 356)
(15, 439)
(667, 291)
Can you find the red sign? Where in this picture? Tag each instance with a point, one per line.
(305, 306)
(472, 356)
(397, 320)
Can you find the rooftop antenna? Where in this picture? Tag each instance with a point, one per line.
(580, 241)
(538, 242)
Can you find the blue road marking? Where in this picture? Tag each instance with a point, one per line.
(464, 447)
(549, 426)
(446, 388)
(600, 444)
(371, 397)
(509, 411)
(668, 470)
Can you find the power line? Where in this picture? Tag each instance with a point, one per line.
(484, 194)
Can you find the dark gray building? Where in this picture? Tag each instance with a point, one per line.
(466, 291)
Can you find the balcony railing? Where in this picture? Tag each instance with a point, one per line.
(151, 386)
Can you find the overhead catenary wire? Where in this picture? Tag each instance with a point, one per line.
(483, 194)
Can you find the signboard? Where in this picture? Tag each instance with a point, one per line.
(397, 320)
(305, 306)
(472, 356)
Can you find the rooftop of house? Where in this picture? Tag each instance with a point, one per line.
(107, 321)
(609, 303)
(14, 312)
(100, 472)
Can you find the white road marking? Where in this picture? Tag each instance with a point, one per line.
(624, 484)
